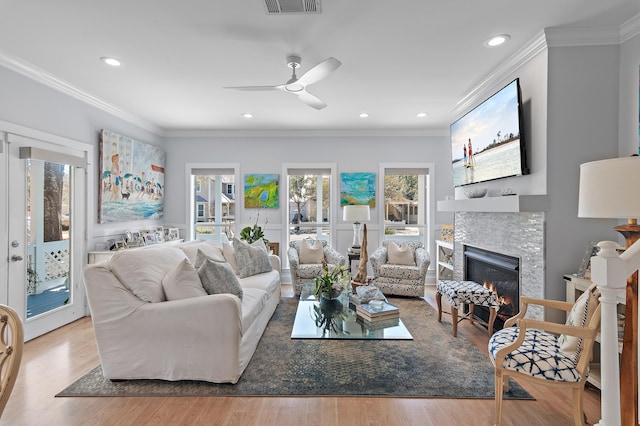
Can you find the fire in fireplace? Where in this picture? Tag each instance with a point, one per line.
(498, 272)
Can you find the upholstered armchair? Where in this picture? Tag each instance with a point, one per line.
(305, 260)
(400, 267)
(548, 353)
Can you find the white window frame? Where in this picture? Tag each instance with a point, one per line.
(333, 199)
(428, 194)
(190, 171)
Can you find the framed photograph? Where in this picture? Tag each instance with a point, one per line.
(148, 236)
(159, 234)
(172, 234)
(584, 270)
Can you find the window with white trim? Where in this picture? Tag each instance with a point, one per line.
(405, 209)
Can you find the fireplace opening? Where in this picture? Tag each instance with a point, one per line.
(499, 273)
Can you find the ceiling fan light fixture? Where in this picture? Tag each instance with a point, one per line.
(113, 62)
(293, 87)
(497, 40)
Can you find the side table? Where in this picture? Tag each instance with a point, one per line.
(352, 256)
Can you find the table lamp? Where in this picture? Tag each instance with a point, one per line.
(356, 214)
(611, 189)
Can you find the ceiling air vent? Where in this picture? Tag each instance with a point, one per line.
(278, 7)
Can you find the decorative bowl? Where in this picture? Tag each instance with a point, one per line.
(476, 192)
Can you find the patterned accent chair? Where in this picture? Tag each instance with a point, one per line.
(400, 280)
(545, 352)
(303, 273)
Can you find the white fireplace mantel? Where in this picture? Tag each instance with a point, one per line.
(506, 204)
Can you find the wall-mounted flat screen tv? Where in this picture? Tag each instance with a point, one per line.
(486, 143)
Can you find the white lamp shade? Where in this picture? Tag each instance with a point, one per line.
(610, 188)
(356, 214)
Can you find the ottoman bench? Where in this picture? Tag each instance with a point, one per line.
(460, 293)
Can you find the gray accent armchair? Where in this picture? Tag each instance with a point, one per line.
(400, 280)
(307, 272)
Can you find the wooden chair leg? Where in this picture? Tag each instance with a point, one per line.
(579, 416)
(493, 312)
(454, 320)
(471, 307)
(439, 304)
(499, 382)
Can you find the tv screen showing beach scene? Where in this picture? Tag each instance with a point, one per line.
(486, 142)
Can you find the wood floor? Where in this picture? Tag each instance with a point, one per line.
(53, 361)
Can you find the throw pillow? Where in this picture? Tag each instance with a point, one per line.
(211, 250)
(252, 258)
(182, 282)
(577, 317)
(400, 255)
(218, 278)
(311, 252)
(230, 256)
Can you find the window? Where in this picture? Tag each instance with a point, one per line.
(405, 202)
(309, 207)
(213, 206)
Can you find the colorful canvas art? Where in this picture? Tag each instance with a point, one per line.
(131, 179)
(358, 189)
(261, 191)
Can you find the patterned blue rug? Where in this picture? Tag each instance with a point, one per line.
(433, 365)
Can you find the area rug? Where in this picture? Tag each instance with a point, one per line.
(432, 365)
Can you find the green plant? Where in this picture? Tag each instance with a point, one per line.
(331, 283)
(253, 233)
(32, 279)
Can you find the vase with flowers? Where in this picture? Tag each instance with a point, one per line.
(332, 282)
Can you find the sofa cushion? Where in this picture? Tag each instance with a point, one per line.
(268, 281)
(212, 249)
(400, 271)
(311, 253)
(141, 270)
(182, 282)
(218, 277)
(253, 303)
(252, 258)
(400, 255)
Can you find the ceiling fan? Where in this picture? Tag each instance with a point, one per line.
(298, 86)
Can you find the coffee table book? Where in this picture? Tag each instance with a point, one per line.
(372, 314)
(379, 324)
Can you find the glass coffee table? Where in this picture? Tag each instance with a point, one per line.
(336, 319)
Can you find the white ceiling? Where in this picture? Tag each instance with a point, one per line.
(398, 57)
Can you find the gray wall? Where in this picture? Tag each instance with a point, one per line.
(585, 107)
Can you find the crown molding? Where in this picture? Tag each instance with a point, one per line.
(203, 133)
(41, 76)
(530, 50)
(630, 29)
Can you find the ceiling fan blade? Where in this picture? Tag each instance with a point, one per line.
(320, 71)
(255, 88)
(311, 100)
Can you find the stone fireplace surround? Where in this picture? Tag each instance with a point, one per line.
(520, 234)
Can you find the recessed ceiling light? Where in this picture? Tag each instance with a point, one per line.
(497, 40)
(421, 114)
(364, 114)
(111, 61)
(247, 115)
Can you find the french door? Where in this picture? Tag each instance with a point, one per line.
(46, 184)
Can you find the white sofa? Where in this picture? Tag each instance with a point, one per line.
(210, 338)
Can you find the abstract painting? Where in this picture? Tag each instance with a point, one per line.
(131, 179)
(261, 191)
(358, 189)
